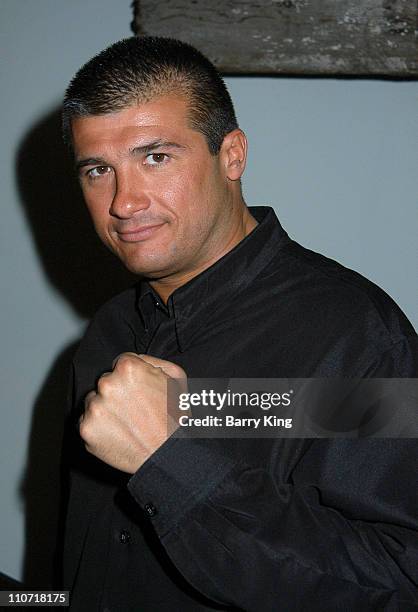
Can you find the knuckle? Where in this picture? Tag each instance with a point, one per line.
(104, 384)
(95, 409)
(83, 429)
(88, 398)
(178, 372)
(125, 362)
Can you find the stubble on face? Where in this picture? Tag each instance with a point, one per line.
(166, 209)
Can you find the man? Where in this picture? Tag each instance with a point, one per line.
(157, 523)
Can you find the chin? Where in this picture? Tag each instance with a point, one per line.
(149, 269)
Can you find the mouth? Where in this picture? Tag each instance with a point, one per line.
(139, 234)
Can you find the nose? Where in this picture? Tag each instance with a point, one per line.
(129, 197)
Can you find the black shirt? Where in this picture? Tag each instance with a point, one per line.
(272, 524)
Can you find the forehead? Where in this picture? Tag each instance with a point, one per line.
(166, 117)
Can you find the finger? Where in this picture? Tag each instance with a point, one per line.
(89, 397)
(102, 385)
(122, 355)
(177, 376)
(168, 367)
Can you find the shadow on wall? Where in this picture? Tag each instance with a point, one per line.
(86, 274)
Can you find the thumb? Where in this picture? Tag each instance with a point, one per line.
(173, 371)
(168, 367)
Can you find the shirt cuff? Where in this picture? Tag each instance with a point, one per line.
(177, 476)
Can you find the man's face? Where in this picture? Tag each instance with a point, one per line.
(158, 199)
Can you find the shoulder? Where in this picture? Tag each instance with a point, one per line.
(344, 293)
(336, 310)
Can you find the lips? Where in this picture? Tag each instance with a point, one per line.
(139, 234)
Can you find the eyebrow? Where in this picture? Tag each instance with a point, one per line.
(141, 149)
(156, 144)
(90, 161)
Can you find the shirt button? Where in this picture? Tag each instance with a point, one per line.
(150, 509)
(124, 537)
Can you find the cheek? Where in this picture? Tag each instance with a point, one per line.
(99, 214)
(189, 191)
(176, 195)
(98, 197)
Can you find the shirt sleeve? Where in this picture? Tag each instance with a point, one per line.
(318, 525)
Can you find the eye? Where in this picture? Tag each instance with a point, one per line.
(156, 159)
(98, 171)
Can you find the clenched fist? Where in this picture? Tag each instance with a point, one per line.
(125, 420)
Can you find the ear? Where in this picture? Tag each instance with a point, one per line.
(234, 154)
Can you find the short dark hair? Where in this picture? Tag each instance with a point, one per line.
(138, 69)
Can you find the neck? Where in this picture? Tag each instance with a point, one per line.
(242, 227)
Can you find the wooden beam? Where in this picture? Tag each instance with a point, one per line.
(295, 37)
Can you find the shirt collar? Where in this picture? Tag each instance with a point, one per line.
(193, 304)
